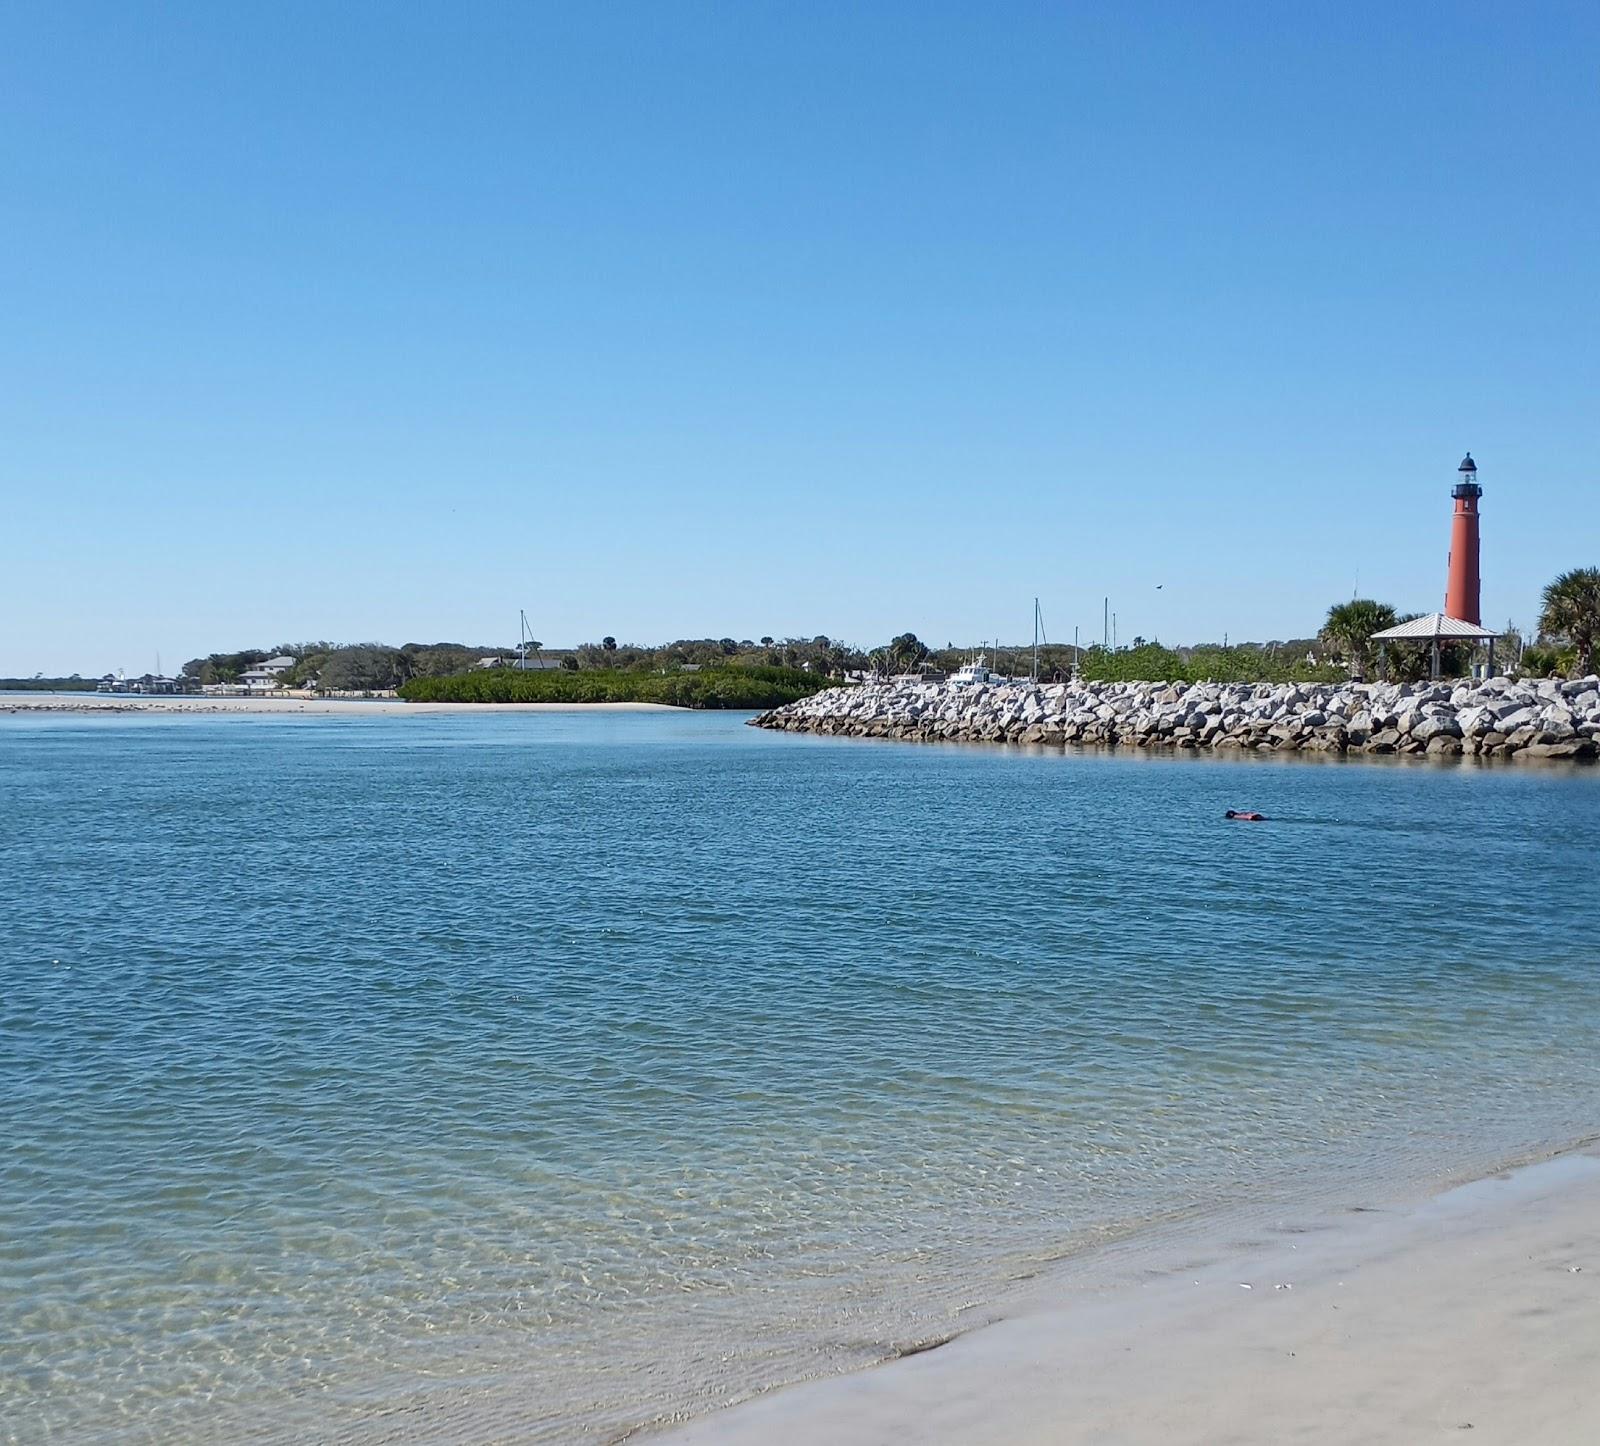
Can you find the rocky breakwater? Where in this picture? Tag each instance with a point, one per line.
(1501, 717)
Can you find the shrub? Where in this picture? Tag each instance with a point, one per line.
(743, 688)
(1151, 663)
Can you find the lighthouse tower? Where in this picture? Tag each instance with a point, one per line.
(1461, 598)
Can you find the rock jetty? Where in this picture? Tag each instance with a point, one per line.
(1500, 717)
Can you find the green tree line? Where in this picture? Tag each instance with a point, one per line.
(41, 684)
(1568, 642)
(718, 687)
(344, 667)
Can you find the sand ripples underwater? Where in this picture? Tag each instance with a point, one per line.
(386, 1075)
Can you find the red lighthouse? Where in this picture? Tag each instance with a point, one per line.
(1461, 599)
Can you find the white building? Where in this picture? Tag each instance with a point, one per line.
(525, 665)
(264, 677)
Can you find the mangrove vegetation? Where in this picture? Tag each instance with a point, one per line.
(714, 687)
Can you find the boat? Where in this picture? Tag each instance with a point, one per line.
(976, 673)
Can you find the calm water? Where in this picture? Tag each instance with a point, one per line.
(548, 1075)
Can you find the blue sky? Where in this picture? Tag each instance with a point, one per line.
(385, 321)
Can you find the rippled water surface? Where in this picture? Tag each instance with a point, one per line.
(546, 1076)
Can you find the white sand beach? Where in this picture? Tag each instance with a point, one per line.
(1477, 1311)
(352, 707)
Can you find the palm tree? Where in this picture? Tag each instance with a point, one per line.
(1571, 609)
(1350, 626)
(906, 651)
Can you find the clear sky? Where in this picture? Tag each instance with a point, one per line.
(386, 320)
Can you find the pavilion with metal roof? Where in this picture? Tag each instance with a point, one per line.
(1436, 628)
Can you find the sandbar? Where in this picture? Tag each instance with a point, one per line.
(349, 707)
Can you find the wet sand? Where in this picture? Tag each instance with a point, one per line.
(126, 703)
(1476, 1312)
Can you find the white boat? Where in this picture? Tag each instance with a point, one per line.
(976, 673)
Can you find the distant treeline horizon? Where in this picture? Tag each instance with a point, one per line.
(374, 666)
(1568, 636)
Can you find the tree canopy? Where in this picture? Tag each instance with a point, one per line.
(1349, 628)
(1571, 612)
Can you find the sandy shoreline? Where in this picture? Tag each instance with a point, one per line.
(1476, 1310)
(102, 703)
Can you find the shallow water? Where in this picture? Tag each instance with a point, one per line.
(461, 1075)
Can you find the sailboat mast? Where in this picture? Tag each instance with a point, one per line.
(1036, 640)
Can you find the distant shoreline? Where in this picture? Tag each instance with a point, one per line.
(122, 703)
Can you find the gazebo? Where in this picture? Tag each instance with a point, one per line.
(1436, 628)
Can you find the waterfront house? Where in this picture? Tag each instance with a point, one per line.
(265, 677)
(149, 683)
(524, 665)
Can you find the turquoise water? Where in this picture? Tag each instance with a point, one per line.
(469, 1076)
